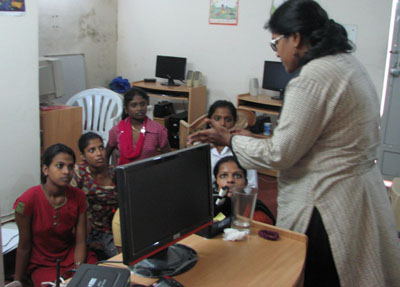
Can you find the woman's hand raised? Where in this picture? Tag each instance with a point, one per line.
(216, 135)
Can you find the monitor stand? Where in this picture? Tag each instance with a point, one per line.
(170, 83)
(171, 261)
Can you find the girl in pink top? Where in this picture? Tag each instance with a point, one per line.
(136, 136)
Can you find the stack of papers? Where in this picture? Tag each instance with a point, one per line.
(9, 237)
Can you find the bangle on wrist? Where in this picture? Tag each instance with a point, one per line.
(77, 264)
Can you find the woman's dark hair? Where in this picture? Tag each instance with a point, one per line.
(85, 138)
(222, 104)
(228, 159)
(323, 35)
(128, 96)
(50, 153)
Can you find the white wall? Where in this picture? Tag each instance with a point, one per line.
(229, 56)
(1, 260)
(372, 19)
(76, 27)
(19, 100)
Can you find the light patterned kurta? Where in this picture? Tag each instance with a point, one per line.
(325, 148)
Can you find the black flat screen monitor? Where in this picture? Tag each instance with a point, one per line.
(171, 68)
(162, 200)
(276, 78)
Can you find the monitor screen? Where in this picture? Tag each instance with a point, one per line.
(171, 68)
(275, 76)
(162, 200)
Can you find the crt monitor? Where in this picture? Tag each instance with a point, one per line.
(51, 78)
(276, 78)
(162, 200)
(171, 68)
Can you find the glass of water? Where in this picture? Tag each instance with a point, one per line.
(243, 205)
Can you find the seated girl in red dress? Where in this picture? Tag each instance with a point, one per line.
(136, 136)
(51, 220)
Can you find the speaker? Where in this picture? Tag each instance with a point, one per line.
(253, 87)
(197, 79)
(189, 78)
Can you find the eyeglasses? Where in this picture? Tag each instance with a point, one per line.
(274, 42)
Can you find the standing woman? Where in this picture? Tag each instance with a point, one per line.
(136, 136)
(325, 148)
(95, 177)
(51, 220)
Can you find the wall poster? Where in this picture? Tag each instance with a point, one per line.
(12, 7)
(224, 12)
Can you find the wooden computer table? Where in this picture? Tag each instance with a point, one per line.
(252, 262)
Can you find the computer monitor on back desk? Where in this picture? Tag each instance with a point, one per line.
(276, 78)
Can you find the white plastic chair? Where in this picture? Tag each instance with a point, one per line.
(101, 110)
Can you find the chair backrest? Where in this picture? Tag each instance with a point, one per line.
(245, 119)
(101, 109)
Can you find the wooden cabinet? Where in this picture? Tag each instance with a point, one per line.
(61, 124)
(195, 97)
(261, 104)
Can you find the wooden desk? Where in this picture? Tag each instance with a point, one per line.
(196, 97)
(262, 104)
(253, 262)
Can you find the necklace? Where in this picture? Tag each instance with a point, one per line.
(142, 130)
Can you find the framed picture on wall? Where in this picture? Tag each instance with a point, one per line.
(224, 12)
(12, 7)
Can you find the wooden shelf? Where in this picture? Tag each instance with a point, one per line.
(196, 97)
(260, 110)
(262, 104)
(165, 97)
(264, 100)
